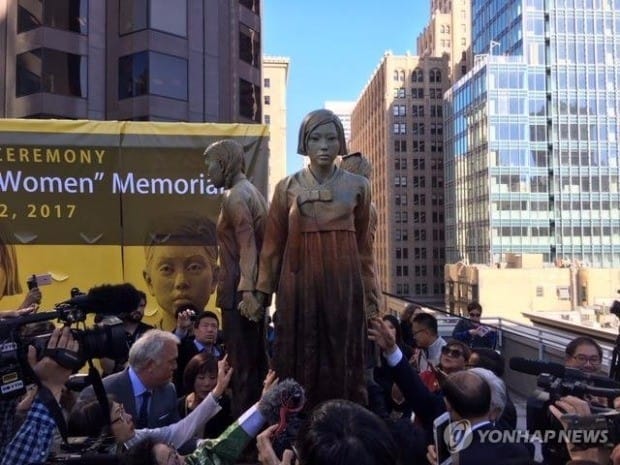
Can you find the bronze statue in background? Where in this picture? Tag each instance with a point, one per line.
(240, 232)
(357, 163)
(317, 258)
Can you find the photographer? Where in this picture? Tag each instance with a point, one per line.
(33, 441)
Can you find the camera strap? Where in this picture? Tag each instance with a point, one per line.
(95, 380)
(54, 408)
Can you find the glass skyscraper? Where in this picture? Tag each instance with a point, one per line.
(531, 150)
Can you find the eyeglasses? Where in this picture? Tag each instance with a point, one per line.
(419, 331)
(452, 352)
(583, 359)
(474, 315)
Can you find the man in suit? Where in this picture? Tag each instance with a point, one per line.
(468, 399)
(144, 387)
(204, 339)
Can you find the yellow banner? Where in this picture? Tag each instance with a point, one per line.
(89, 203)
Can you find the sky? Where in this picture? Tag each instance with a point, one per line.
(334, 47)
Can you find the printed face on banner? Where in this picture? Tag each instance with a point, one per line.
(180, 275)
(89, 207)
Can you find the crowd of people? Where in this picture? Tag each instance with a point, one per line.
(366, 389)
(169, 401)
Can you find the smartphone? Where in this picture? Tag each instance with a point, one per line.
(440, 425)
(37, 280)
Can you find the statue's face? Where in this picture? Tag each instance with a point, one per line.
(215, 172)
(323, 145)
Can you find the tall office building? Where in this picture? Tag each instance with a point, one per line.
(448, 34)
(163, 60)
(275, 78)
(397, 123)
(532, 135)
(343, 110)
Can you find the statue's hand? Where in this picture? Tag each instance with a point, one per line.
(371, 311)
(251, 308)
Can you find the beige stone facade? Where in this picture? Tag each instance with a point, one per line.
(275, 78)
(523, 284)
(448, 34)
(397, 122)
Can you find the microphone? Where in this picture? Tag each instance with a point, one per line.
(537, 367)
(285, 397)
(108, 299)
(281, 405)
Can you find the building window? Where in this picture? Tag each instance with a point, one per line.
(399, 110)
(152, 73)
(434, 75)
(417, 75)
(267, 100)
(267, 83)
(249, 98)
(68, 15)
(137, 15)
(53, 71)
(267, 119)
(249, 45)
(417, 111)
(400, 145)
(417, 92)
(417, 146)
(252, 5)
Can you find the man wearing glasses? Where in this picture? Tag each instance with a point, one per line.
(472, 332)
(428, 341)
(584, 354)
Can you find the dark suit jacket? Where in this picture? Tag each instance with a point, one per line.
(187, 349)
(496, 453)
(426, 405)
(163, 404)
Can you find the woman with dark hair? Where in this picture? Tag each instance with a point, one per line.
(453, 358)
(223, 450)
(317, 257)
(88, 419)
(199, 379)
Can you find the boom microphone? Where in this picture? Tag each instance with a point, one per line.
(538, 367)
(109, 299)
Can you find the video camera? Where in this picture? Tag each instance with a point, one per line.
(100, 341)
(555, 381)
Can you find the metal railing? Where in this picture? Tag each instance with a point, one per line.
(515, 339)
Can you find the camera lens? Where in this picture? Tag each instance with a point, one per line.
(108, 341)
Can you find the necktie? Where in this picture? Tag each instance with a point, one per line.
(143, 415)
